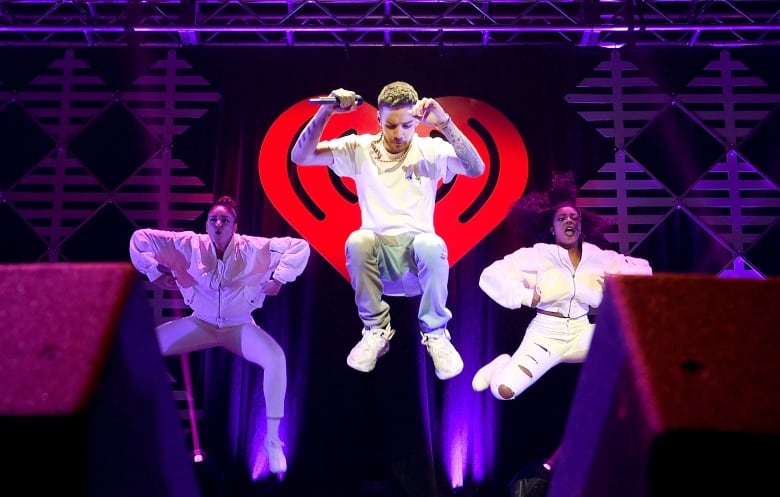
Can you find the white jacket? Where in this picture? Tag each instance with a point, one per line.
(546, 268)
(226, 291)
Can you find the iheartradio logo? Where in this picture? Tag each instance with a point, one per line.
(323, 207)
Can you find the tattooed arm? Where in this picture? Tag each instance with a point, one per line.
(468, 162)
(308, 151)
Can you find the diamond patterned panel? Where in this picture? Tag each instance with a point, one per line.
(623, 192)
(698, 251)
(22, 143)
(103, 237)
(727, 202)
(172, 81)
(165, 193)
(84, 149)
(618, 100)
(19, 242)
(762, 148)
(728, 99)
(688, 152)
(114, 146)
(667, 69)
(735, 202)
(65, 96)
(55, 197)
(93, 166)
(57, 194)
(763, 254)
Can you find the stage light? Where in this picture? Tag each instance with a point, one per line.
(198, 455)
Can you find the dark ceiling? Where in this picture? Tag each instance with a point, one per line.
(389, 23)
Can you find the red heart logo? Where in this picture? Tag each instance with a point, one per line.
(323, 207)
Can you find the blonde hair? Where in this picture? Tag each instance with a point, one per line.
(397, 94)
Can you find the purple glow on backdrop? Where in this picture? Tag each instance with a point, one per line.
(258, 458)
(468, 419)
(471, 424)
(259, 469)
(297, 352)
(246, 383)
(482, 442)
(424, 388)
(469, 430)
(454, 413)
(456, 433)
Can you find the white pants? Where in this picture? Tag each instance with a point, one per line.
(548, 341)
(247, 340)
(407, 264)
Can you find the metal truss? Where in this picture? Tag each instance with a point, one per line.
(323, 23)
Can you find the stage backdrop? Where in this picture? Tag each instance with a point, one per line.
(678, 147)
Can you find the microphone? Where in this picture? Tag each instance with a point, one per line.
(333, 100)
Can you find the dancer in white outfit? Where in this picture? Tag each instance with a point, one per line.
(223, 277)
(563, 281)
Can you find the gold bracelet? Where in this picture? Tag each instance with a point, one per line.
(445, 122)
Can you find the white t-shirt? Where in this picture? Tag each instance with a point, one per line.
(398, 196)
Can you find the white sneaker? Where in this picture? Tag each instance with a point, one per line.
(482, 378)
(374, 344)
(446, 360)
(277, 462)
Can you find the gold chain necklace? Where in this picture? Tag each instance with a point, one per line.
(397, 163)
